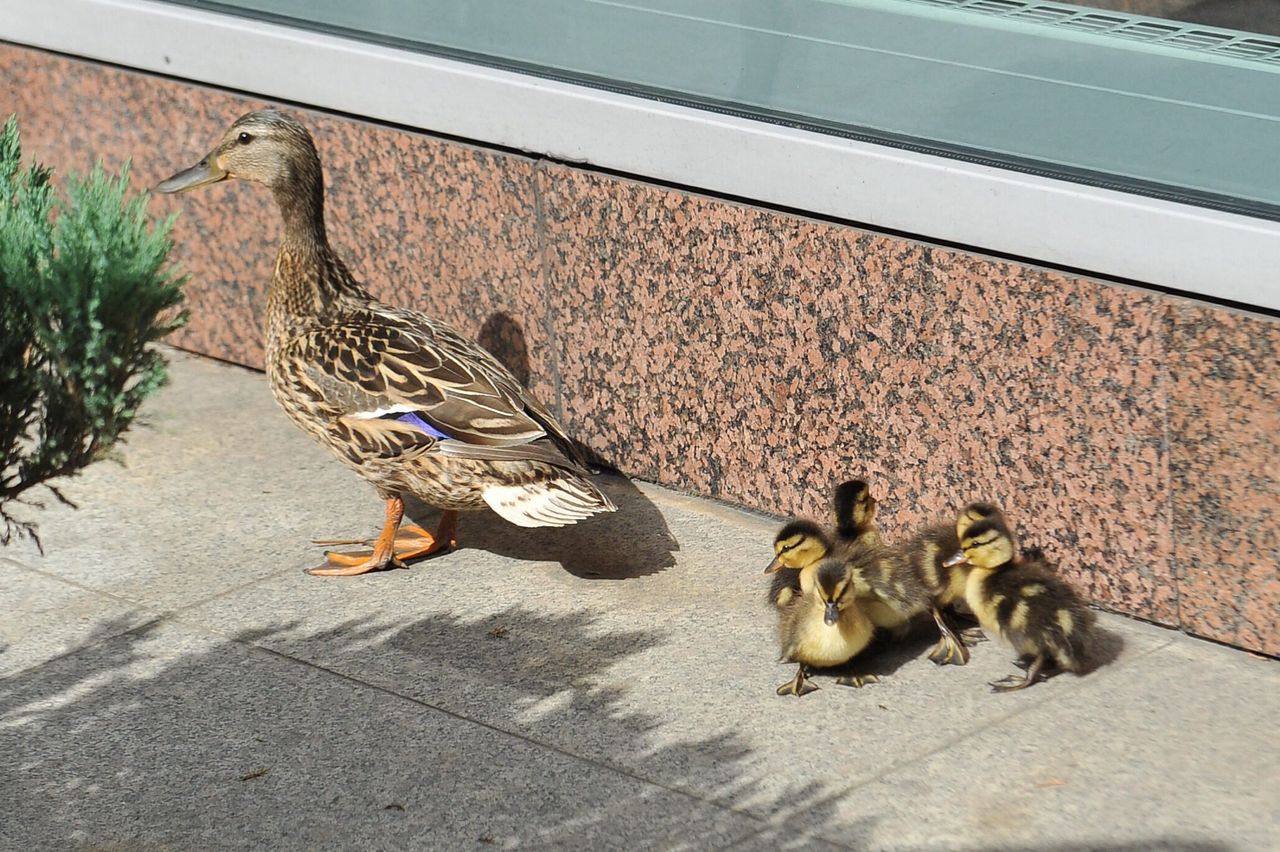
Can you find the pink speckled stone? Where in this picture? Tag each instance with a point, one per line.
(1224, 434)
(442, 227)
(759, 357)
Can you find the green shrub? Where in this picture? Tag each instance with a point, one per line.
(84, 290)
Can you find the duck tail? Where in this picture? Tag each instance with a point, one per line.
(557, 502)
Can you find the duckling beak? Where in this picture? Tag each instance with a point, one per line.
(774, 566)
(204, 172)
(832, 615)
(957, 558)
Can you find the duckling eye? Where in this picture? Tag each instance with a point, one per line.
(245, 138)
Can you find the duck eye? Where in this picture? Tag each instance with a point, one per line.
(245, 138)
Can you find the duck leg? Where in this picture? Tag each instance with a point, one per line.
(414, 542)
(1012, 683)
(385, 552)
(409, 542)
(798, 686)
(971, 636)
(950, 650)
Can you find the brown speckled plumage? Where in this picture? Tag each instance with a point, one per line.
(349, 370)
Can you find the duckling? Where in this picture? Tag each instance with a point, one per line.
(896, 584)
(884, 579)
(823, 626)
(889, 599)
(855, 513)
(928, 551)
(1024, 602)
(799, 544)
(802, 542)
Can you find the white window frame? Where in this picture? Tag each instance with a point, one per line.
(1102, 232)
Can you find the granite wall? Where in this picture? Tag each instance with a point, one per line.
(756, 356)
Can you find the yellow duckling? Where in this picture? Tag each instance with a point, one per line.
(802, 542)
(855, 540)
(1025, 603)
(799, 544)
(822, 626)
(892, 584)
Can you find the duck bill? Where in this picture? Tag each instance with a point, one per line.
(832, 614)
(774, 566)
(957, 558)
(202, 173)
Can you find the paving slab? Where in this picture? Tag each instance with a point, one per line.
(167, 738)
(198, 468)
(44, 618)
(637, 645)
(1161, 754)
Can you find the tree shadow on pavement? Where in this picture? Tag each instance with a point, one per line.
(505, 731)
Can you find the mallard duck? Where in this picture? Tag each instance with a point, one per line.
(823, 626)
(874, 571)
(402, 399)
(854, 508)
(1025, 603)
(799, 544)
(927, 552)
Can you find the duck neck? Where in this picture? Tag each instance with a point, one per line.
(310, 279)
(301, 202)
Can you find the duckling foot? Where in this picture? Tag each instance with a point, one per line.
(971, 636)
(950, 650)
(799, 686)
(1012, 683)
(857, 681)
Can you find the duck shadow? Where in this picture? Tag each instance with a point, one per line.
(631, 542)
(1105, 648)
(504, 339)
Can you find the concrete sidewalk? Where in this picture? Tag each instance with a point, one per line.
(172, 680)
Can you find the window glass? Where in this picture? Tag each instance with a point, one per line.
(1154, 97)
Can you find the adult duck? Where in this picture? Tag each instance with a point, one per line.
(402, 399)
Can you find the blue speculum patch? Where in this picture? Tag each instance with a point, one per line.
(413, 419)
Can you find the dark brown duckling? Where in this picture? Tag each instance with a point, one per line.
(855, 514)
(1026, 603)
(888, 594)
(897, 583)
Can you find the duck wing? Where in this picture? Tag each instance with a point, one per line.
(403, 383)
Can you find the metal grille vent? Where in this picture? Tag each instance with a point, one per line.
(1186, 36)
